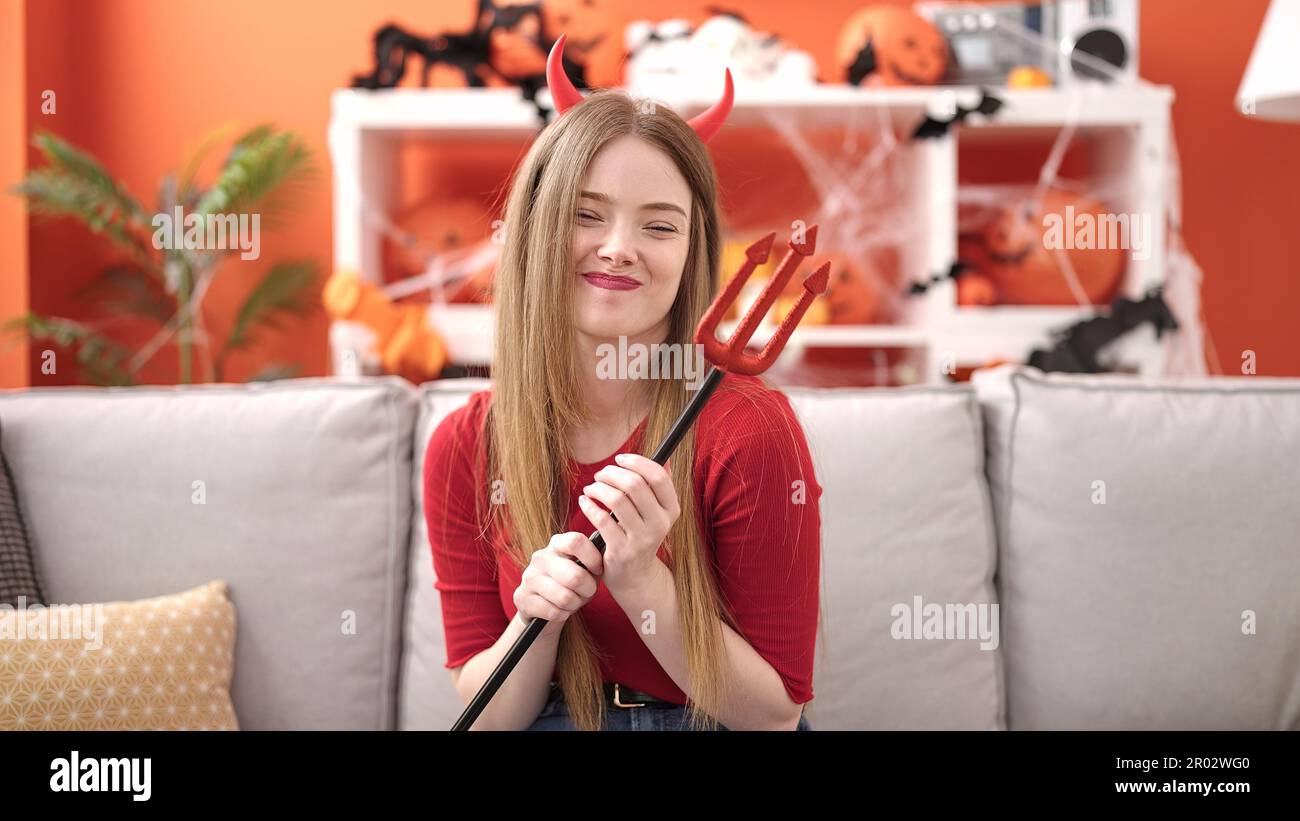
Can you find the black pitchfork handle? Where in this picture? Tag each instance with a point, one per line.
(535, 627)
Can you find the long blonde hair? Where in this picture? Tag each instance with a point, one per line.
(536, 389)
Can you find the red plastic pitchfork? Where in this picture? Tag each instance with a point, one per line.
(729, 357)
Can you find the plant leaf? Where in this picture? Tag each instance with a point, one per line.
(99, 355)
(129, 289)
(75, 184)
(287, 289)
(185, 188)
(59, 194)
(261, 161)
(65, 157)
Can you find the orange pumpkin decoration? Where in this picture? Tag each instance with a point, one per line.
(584, 23)
(976, 289)
(851, 298)
(1028, 77)
(891, 46)
(853, 295)
(441, 226)
(730, 261)
(1012, 253)
(519, 50)
(515, 51)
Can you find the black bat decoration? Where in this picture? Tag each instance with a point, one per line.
(954, 272)
(930, 128)
(863, 65)
(470, 52)
(1075, 348)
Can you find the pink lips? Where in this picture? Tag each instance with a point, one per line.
(613, 283)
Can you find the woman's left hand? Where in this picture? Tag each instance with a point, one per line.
(640, 493)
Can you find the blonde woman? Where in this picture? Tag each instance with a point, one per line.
(702, 612)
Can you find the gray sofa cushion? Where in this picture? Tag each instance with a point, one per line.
(1130, 610)
(428, 699)
(905, 513)
(306, 513)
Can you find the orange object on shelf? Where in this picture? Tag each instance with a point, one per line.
(407, 346)
(964, 372)
(893, 46)
(442, 226)
(1017, 255)
(854, 296)
(976, 289)
(731, 258)
(1028, 77)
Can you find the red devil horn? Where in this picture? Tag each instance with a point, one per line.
(710, 122)
(563, 94)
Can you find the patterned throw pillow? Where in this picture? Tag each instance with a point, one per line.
(18, 572)
(154, 664)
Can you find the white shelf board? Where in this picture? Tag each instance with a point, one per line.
(1086, 105)
(504, 109)
(400, 111)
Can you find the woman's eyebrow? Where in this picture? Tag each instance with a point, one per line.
(649, 206)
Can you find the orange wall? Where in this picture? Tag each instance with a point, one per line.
(1241, 180)
(14, 295)
(140, 82)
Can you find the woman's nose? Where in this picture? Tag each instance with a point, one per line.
(616, 248)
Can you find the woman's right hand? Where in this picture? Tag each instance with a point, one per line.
(554, 586)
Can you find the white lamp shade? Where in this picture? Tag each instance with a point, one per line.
(1270, 88)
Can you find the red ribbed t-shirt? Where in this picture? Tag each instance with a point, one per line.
(758, 508)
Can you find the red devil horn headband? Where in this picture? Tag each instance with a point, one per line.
(566, 96)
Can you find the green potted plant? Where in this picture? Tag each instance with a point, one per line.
(174, 254)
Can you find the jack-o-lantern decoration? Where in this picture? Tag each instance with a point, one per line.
(976, 289)
(514, 50)
(853, 296)
(520, 33)
(508, 45)
(442, 227)
(584, 23)
(730, 261)
(1016, 257)
(891, 46)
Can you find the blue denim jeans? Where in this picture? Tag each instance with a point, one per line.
(555, 716)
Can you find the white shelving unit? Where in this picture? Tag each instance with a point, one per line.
(1127, 126)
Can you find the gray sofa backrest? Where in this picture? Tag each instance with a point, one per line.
(905, 513)
(1149, 549)
(296, 492)
(1175, 603)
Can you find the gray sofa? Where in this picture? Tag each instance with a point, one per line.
(1140, 540)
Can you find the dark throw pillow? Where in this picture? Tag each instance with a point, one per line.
(19, 575)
